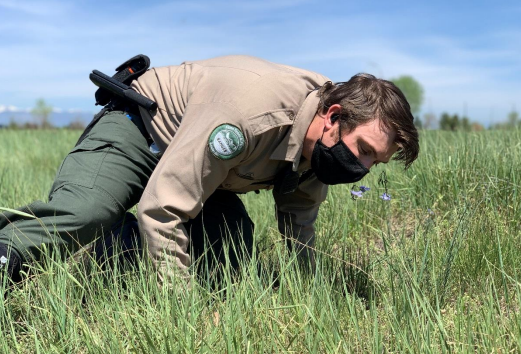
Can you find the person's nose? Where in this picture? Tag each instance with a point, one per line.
(367, 162)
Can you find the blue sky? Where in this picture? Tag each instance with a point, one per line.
(466, 54)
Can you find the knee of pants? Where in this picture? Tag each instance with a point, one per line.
(84, 212)
(223, 220)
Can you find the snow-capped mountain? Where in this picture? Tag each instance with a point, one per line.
(58, 117)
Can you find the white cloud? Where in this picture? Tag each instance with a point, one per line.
(479, 69)
(11, 108)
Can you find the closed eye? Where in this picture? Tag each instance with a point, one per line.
(365, 151)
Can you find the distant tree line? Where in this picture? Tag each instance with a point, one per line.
(41, 115)
(455, 123)
(413, 91)
(411, 88)
(512, 122)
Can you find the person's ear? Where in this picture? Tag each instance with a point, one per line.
(332, 116)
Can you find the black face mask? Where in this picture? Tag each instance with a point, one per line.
(336, 164)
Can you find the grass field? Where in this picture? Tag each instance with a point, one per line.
(435, 269)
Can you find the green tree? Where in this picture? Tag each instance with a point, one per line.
(41, 112)
(513, 118)
(445, 121)
(13, 124)
(465, 124)
(453, 123)
(412, 90)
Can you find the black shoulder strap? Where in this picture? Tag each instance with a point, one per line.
(125, 73)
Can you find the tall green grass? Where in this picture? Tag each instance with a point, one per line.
(434, 270)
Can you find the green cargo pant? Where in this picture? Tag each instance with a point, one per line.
(99, 180)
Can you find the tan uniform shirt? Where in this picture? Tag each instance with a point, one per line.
(271, 104)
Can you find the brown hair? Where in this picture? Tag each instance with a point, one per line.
(364, 98)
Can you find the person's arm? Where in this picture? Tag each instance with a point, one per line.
(296, 215)
(188, 173)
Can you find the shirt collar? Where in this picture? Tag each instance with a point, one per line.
(290, 148)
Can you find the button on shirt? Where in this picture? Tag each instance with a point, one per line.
(271, 104)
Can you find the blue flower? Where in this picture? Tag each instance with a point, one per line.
(364, 189)
(358, 194)
(385, 196)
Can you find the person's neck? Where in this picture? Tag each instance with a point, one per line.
(314, 132)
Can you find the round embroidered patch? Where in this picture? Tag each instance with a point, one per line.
(226, 141)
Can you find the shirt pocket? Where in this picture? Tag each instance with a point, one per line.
(82, 165)
(242, 182)
(272, 119)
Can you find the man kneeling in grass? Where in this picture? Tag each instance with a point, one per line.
(223, 126)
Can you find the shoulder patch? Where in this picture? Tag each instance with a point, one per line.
(226, 141)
